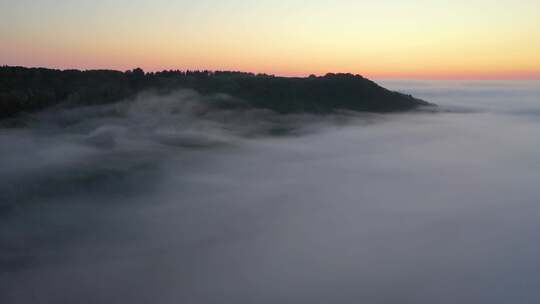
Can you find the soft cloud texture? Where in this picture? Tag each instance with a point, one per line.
(163, 200)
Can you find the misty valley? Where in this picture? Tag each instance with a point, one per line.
(201, 188)
(269, 152)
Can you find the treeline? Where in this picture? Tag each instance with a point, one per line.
(30, 89)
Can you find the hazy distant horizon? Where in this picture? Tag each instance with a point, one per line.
(376, 78)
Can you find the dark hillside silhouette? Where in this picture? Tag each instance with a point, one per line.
(30, 89)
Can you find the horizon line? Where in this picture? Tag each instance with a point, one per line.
(527, 76)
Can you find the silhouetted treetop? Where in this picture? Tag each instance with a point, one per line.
(29, 89)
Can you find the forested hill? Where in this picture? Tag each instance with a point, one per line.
(30, 89)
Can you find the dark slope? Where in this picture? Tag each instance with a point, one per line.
(29, 89)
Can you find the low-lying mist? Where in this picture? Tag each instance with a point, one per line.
(169, 198)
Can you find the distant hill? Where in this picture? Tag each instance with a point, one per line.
(30, 89)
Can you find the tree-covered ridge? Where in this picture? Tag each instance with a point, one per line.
(29, 89)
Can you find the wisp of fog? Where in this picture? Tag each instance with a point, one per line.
(167, 199)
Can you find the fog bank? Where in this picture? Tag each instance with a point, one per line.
(167, 200)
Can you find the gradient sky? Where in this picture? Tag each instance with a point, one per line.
(385, 38)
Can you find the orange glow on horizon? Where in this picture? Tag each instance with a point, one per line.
(462, 39)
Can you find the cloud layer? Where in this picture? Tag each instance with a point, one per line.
(165, 200)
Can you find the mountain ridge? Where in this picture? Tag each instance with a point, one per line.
(31, 89)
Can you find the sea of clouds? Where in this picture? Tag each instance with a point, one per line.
(170, 199)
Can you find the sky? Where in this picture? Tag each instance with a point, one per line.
(472, 39)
